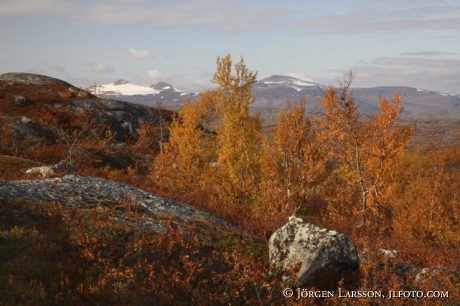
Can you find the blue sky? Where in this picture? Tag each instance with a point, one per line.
(386, 42)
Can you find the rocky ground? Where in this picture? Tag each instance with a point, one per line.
(90, 192)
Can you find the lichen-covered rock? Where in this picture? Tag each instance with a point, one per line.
(26, 119)
(90, 192)
(44, 171)
(437, 277)
(312, 246)
(47, 171)
(20, 100)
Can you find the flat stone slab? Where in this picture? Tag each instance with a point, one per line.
(83, 192)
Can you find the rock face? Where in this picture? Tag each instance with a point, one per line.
(123, 117)
(314, 247)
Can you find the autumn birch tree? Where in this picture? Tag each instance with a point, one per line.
(295, 164)
(364, 149)
(238, 133)
(180, 167)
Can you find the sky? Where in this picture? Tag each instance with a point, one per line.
(412, 43)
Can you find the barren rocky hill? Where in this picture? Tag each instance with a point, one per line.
(25, 99)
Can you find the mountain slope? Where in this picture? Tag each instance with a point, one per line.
(273, 91)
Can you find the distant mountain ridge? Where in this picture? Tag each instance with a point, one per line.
(273, 92)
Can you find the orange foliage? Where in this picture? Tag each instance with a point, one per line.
(294, 164)
(365, 153)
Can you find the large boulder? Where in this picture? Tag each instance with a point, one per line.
(312, 246)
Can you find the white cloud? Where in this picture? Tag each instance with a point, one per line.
(194, 85)
(158, 76)
(139, 54)
(101, 68)
(31, 8)
(243, 16)
(203, 14)
(379, 16)
(55, 67)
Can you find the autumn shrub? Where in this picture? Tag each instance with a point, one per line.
(54, 254)
(37, 97)
(428, 206)
(7, 138)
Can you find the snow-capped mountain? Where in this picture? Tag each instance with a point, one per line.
(155, 94)
(124, 88)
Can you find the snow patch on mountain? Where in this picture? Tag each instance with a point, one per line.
(124, 88)
(437, 93)
(423, 90)
(297, 84)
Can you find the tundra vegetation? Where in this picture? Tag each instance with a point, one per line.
(349, 172)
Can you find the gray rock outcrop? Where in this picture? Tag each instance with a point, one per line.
(90, 192)
(312, 246)
(31, 79)
(124, 118)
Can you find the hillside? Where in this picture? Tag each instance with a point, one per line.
(112, 143)
(109, 202)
